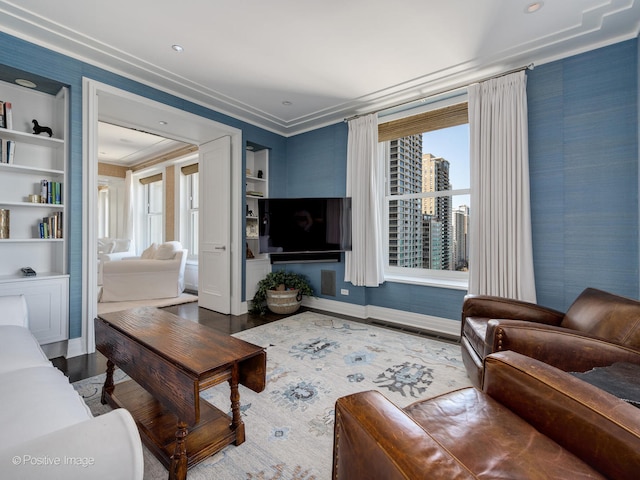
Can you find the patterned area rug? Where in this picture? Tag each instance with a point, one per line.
(312, 360)
(108, 307)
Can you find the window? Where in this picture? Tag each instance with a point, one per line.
(192, 214)
(427, 197)
(153, 192)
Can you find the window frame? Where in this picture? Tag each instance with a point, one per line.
(150, 216)
(192, 181)
(450, 279)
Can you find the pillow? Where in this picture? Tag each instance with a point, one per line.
(150, 252)
(121, 245)
(167, 250)
(106, 246)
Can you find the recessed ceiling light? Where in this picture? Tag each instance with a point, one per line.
(287, 103)
(162, 122)
(25, 83)
(533, 7)
(178, 48)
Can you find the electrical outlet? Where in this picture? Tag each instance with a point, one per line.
(344, 291)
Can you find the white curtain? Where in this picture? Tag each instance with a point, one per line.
(500, 251)
(128, 208)
(365, 183)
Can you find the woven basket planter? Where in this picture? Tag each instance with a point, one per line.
(283, 301)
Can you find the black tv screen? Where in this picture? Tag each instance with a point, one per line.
(304, 225)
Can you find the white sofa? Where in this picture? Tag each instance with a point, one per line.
(110, 249)
(158, 273)
(47, 429)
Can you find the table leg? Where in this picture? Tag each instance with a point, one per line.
(236, 422)
(178, 469)
(107, 388)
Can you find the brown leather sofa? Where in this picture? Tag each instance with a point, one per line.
(530, 421)
(599, 329)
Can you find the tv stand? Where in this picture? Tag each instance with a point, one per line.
(314, 257)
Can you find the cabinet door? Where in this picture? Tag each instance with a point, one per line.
(47, 306)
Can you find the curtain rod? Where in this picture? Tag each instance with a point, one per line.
(441, 92)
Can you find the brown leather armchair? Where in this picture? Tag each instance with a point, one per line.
(599, 329)
(530, 420)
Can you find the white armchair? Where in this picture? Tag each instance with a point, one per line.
(157, 274)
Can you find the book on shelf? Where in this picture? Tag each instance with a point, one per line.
(11, 151)
(51, 227)
(51, 192)
(8, 115)
(7, 150)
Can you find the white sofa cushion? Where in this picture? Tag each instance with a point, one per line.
(105, 245)
(37, 401)
(150, 252)
(107, 446)
(13, 310)
(19, 349)
(167, 251)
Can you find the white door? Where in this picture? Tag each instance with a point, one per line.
(214, 256)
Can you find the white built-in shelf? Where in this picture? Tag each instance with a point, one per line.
(33, 205)
(30, 240)
(42, 140)
(19, 277)
(13, 168)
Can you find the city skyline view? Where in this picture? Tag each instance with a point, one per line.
(452, 144)
(429, 232)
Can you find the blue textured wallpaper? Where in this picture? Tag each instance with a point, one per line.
(583, 148)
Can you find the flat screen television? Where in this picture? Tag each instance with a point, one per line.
(304, 228)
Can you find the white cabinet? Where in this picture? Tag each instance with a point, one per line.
(37, 159)
(257, 187)
(47, 303)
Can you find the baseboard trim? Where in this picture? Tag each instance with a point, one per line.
(76, 347)
(436, 325)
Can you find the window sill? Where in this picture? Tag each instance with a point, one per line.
(452, 284)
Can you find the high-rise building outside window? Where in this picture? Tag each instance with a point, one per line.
(427, 203)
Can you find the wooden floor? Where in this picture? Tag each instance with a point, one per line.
(85, 366)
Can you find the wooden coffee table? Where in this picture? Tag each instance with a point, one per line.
(171, 360)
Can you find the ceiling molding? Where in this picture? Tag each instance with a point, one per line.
(597, 27)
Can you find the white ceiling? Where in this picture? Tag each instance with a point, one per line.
(129, 147)
(330, 59)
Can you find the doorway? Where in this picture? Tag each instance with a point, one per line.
(109, 104)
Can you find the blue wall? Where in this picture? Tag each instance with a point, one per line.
(583, 147)
(28, 57)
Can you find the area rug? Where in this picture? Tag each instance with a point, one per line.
(108, 307)
(312, 359)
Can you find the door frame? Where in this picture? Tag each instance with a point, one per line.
(200, 130)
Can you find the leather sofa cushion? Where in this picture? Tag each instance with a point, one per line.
(605, 315)
(475, 331)
(493, 442)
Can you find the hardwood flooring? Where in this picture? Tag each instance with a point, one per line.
(85, 366)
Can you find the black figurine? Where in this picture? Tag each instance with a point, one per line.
(37, 129)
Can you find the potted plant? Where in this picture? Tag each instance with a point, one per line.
(281, 291)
